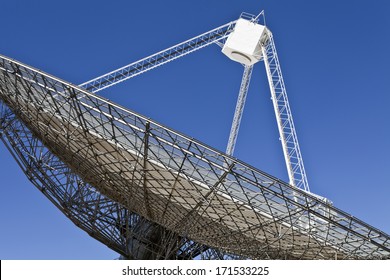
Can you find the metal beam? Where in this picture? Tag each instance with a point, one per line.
(246, 77)
(288, 135)
(131, 70)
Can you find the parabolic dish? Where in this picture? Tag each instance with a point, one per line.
(177, 182)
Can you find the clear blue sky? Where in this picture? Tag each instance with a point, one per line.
(336, 64)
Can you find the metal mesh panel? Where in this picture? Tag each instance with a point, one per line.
(118, 175)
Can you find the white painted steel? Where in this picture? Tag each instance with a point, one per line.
(242, 45)
(133, 69)
(288, 135)
(246, 77)
(247, 43)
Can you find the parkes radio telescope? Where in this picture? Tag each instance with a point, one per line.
(149, 192)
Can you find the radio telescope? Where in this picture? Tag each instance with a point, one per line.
(149, 192)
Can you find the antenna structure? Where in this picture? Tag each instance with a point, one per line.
(149, 192)
(264, 46)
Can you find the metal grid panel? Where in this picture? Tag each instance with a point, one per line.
(190, 190)
(102, 218)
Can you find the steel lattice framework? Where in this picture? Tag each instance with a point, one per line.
(141, 66)
(219, 35)
(147, 191)
(287, 132)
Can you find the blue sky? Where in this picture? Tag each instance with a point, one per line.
(335, 60)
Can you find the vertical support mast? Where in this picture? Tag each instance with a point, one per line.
(288, 136)
(246, 77)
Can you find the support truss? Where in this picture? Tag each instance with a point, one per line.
(158, 59)
(292, 154)
(246, 78)
(288, 136)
